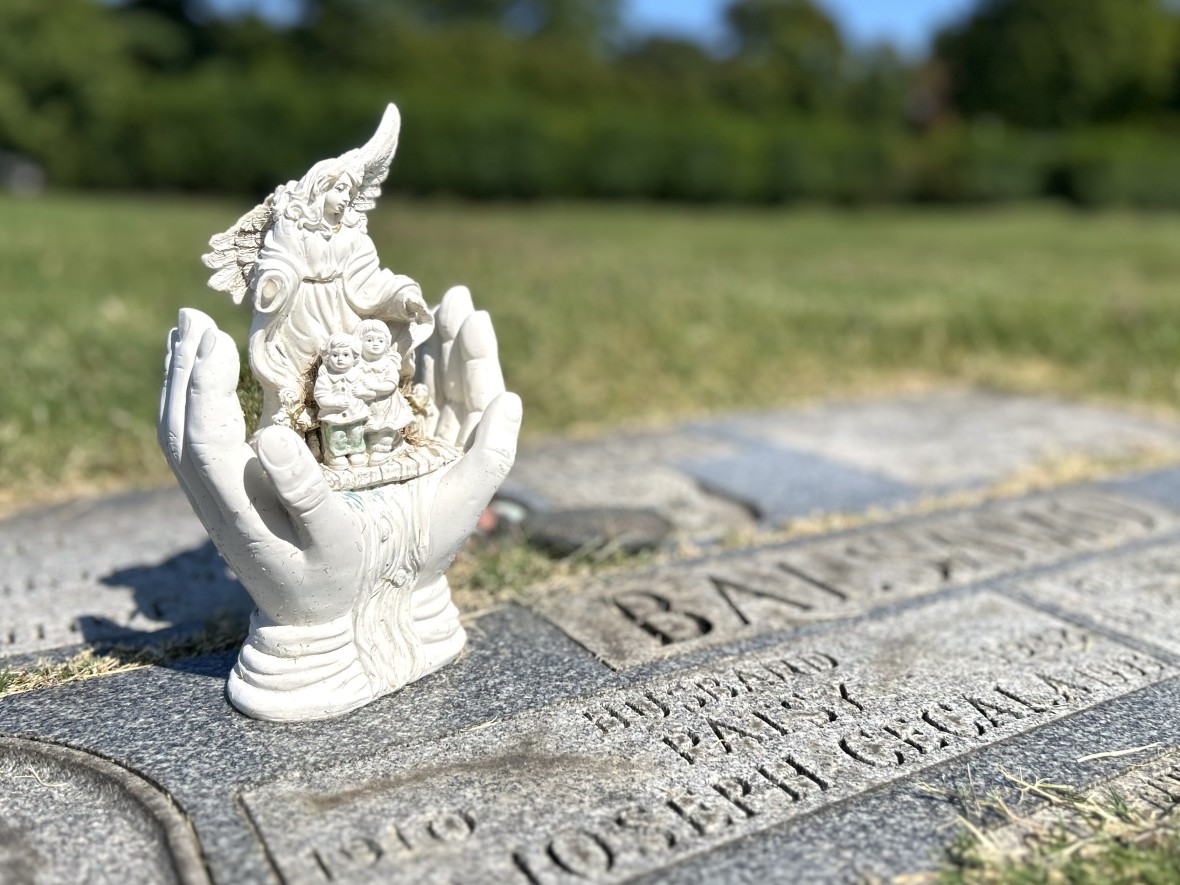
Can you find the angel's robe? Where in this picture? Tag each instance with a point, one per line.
(311, 286)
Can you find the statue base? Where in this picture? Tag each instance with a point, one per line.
(406, 462)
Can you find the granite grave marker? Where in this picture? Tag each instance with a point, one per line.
(765, 714)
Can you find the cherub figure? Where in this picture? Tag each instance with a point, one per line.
(312, 271)
(340, 392)
(389, 412)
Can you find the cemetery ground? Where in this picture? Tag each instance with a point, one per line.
(891, 595)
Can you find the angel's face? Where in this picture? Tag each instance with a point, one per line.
(338, 198)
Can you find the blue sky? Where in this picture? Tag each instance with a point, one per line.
(908, 24)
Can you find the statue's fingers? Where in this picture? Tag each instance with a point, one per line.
(215, 439)
(468, 487)
(425, 365)
(190, 328)
(317, 516)
(426, 370)
(213, 416)
(161, 424)
(479, 361)
(183, 343)
(453, 311)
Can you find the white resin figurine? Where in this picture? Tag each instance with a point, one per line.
(385, 431)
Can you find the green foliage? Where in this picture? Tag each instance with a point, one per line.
(793, 42)
(530, 99)
(63, 83)
(1062, 62)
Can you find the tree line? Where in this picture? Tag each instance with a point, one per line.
(553, 98)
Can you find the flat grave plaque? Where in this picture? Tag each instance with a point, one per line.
(70, 816)
(635, 779)
(648, 616)
(1136, 593)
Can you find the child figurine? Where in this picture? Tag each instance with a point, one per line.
(389, 413)
(338, 392)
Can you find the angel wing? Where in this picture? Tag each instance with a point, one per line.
(377, 156)
(236, 250)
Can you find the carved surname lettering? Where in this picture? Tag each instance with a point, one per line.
(741, 597)
(804, 576)
(656, 616)
(715, 751)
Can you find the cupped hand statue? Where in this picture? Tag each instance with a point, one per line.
(352, 602)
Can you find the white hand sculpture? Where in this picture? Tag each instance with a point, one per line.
(351, 598)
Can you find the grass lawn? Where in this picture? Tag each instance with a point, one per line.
(607, 315)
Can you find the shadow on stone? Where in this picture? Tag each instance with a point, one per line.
(190, 586)
(188, 609)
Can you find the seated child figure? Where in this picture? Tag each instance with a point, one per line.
(389, 413)
(339, 386)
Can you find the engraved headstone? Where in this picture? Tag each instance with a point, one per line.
(803, 706)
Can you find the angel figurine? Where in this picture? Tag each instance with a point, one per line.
(312, 272)
(345, 562)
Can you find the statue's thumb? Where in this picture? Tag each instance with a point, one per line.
(467, 488)
(296, 477)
